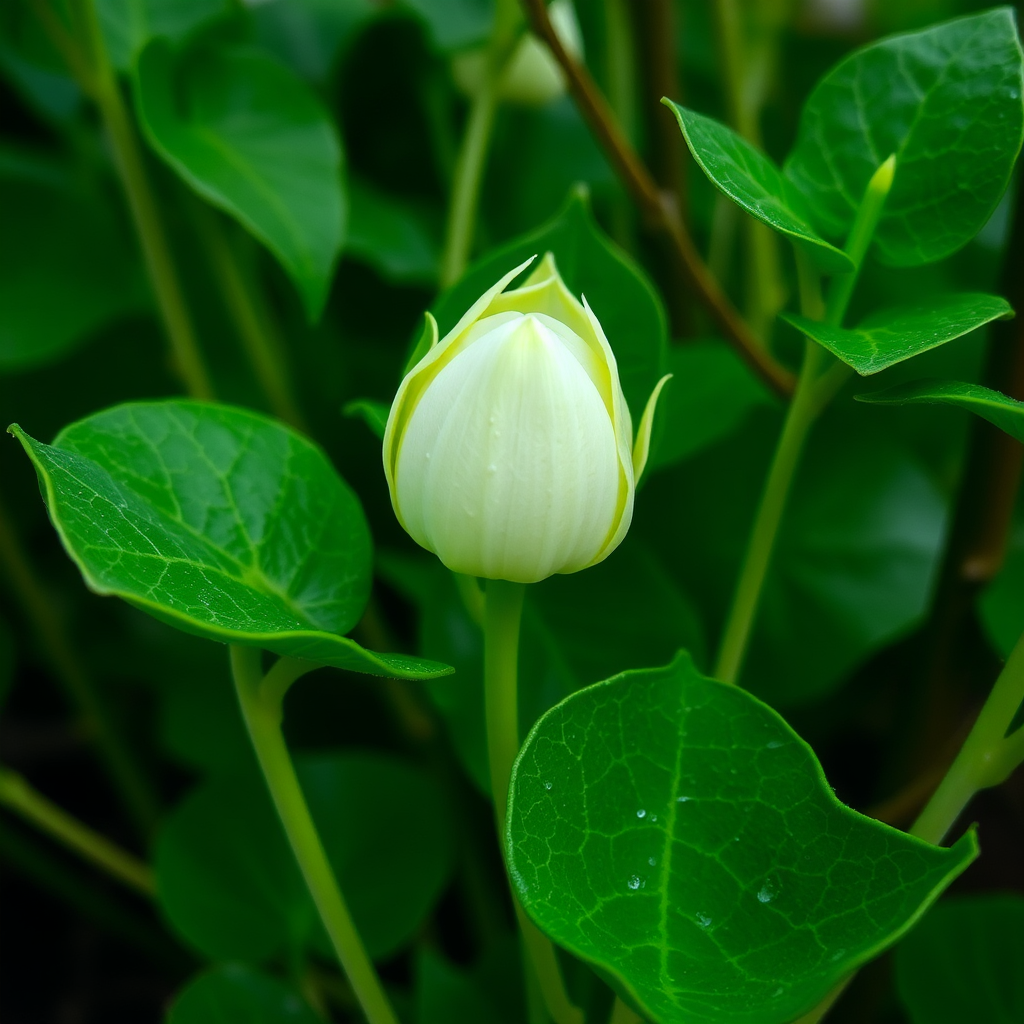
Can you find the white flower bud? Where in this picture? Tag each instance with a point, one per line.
(509, 449)
(531, 76)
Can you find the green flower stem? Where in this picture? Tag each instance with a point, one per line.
(476, 140)
(503, 612)
(106, 91)
(261, 708)
(117, 759)
(987, 757)
(260, 342)
(821, 376)
(17, 795)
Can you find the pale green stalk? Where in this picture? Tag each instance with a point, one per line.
(260, 701)
(128, 158)
(819, 379)
(503, 612)
(17, 795)
(472, 157)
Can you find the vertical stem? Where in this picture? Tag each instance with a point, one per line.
(188, 359)
(52, 635)
(814, 389)
(17, 795)
(263, 721)
(260, 342)
(469, 170)
(502, 617)
(800, 415)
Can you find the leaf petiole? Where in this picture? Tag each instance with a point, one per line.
(260, 701)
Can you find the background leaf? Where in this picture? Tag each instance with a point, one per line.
(962, 962)
(455, 24)
(754, 183)
(248, 135)
(711, 393)
(892, 335)
(67, 268)
(678, 834)
(218, 521)
(616, 288)
(947, 101)
(234, 993)
(228, 882)
(1005, 412)
(127, 25)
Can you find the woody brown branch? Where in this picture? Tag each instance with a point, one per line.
(656, 207)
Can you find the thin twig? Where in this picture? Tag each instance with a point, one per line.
(655, 208)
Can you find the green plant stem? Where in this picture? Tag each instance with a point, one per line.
(126, 775)
(469, 171)
(503, 611)
(261, 710)
(821, 375)
(260, 342)
(17, 795)
(987, 757)
(128, 158)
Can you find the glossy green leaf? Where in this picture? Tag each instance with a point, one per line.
(591, 265)
(628, 601)
(309, 34)
(754, 183)
(854, 563)
(228, 882)
(711, 393)
(127, 25)
(68, 267)
(392, 236)
(676, 833)
(947, 101)
(219, 521)
(962, 962)
(455, 24)
(374, 414)
(1005, 412)
(892, 335)
(237, 994)
(251, 137)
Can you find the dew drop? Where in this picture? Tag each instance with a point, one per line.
(547, 785)
(654, 817)
(492, 469)
(774, 744)
(703, 919)
(427, 456)
(682, 799)
(652, 861)
(641, 813)
(838, 955)
(778, 992)
(768, 891)
(634, 882)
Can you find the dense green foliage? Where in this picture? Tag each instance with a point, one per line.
(228, 230)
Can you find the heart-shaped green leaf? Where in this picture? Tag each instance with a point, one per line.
(617, 289)
(228, 882)
(1005, 412)
(947, 101)
(963, 962)
(251, 137)
(676, 833)
(127, 25)
(67, 268)
(219, 521)
(234, 993)
(892, 335)
(753, 182)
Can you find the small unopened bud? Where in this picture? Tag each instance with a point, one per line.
(509, 449)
